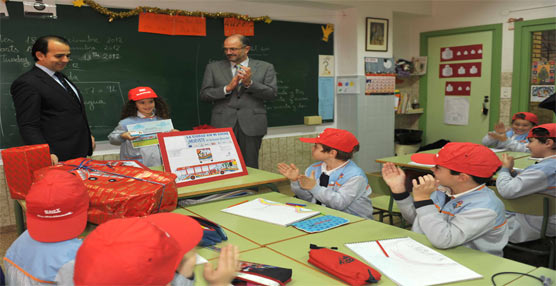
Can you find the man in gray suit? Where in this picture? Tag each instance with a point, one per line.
(237, 88)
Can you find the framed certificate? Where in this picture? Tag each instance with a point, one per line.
(201, 156)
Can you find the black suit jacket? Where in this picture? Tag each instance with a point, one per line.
(47, 113)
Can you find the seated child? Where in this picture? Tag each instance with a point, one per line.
(143, 105)
(469, 213)
(515, 138)
(335, 181)
(537, 178)
(56, 214)
(152, 250)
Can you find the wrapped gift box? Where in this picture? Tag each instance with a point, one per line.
(19, 165)
(121, 191)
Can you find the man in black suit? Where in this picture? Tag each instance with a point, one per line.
(49, 107)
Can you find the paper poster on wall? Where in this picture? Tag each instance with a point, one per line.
(326, 65)
(326, 98)
(201, 156)
(541, 92)
(380, 84)
(460, 70)
(542, 72)
(238, 26)
(347, 85)
(458, 53)
(458, 88)
(456, 110)
(379, 65)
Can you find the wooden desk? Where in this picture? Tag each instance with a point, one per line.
(258, 231)
(367, 230)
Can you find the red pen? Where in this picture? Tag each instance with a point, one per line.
(238, 204)
(384, 251)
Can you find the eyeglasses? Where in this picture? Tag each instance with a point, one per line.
(232, 49)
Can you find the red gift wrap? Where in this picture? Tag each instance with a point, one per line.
(19, 165)
(121, 191)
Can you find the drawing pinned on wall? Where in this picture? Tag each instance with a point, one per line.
(542, 72)
(456, 110)
(458, 88)
(379, 65)
(458, 53)
(460, 70)
(541, 92)
(326, 65)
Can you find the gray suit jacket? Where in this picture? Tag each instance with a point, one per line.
(245, 105)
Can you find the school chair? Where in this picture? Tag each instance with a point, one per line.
(383, 202)
(530, 205)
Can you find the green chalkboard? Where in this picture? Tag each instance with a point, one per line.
(108, 59)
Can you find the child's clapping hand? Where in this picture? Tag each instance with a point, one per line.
(289, 171)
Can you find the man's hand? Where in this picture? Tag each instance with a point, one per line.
(233, 83)
(93, 142)
(394, 177)
(245, 75)
(53, 159)
(228, 266)
(289, 171)
(307, 183)
(423, 187)
(507, 161)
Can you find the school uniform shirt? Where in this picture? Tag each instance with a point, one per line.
(149, 156)
(474, 219)
(65, 277)
(515, 142)
(347, 189)
(31, 262)
(537, 178)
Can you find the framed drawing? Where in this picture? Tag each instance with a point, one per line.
(201, 156)
(376, 35)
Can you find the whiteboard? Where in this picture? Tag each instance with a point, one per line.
(272, 212)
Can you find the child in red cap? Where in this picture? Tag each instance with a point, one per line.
(143, 106)
(335, 181)
(56, 214)
(153, 250)
(514, 139)
(537, 178)
(467, 213)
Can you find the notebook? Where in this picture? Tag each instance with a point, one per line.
(272, 212)
(320, 223)
(411, 263)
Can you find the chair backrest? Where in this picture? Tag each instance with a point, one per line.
(534, 204)
(378, 185)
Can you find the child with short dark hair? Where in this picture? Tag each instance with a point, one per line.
(335, 181)
(537, 178)
(469, 213)
(143, 106)
(56, 214)
(515, 138)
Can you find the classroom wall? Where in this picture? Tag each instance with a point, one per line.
(458, 14)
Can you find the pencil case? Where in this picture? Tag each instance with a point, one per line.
(255, 274)
(343, 266)
(212, 232)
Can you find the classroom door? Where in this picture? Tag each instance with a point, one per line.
(458, 81)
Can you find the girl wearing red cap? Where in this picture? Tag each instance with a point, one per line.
(537, 178)
(143, 106)
(514, 139)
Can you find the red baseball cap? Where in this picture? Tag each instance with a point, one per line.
(531, 117)
(135, 251)
(551, 127)
(469, 158)
(141, 92)
(339, 139)
(57, 207)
